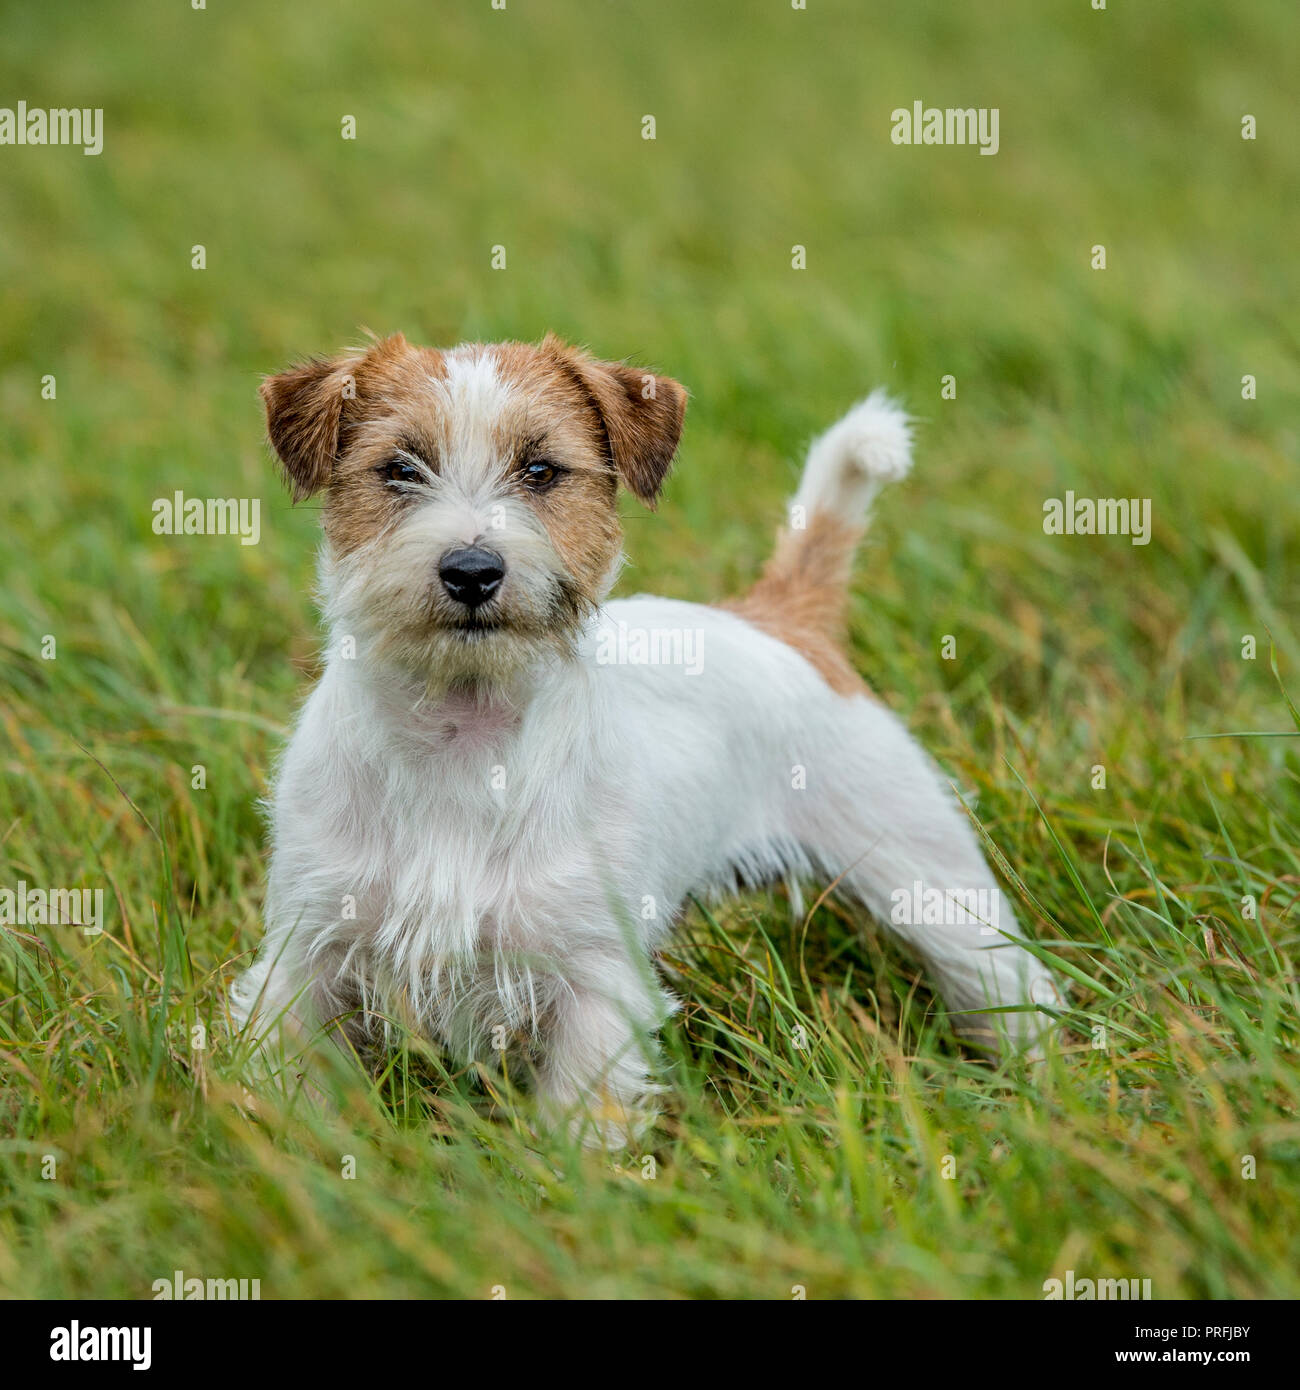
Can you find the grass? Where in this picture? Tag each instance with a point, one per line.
(877, 1160)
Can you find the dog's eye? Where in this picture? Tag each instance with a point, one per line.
(399, 471)
(539, 474)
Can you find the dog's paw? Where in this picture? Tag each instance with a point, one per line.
(602, 1122)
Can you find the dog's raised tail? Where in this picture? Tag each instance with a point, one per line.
(802, 593)
(849, 464)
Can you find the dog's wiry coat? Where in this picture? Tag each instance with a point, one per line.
(481, 828)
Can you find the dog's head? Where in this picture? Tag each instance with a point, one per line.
(470, 495)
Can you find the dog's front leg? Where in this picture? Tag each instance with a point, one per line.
(599, 1053)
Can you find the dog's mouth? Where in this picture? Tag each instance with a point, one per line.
(467, 624)
(556, 619)
(476, 627)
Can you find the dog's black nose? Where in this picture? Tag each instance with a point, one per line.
(472, 574)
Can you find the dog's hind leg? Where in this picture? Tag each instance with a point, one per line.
(884, 825)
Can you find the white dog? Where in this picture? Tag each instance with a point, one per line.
(504, 787)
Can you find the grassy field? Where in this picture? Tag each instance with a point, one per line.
(879, 1160)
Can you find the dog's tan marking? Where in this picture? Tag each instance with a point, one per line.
(395, 407)
(333, 421)
(558, 425)
(575, 409)
(801, 597)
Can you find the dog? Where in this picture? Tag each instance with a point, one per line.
(505, 785)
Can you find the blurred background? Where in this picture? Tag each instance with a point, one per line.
(522, 128)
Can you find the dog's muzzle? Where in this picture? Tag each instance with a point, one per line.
(472, 574)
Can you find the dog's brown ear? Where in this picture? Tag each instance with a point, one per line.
(308, 407)
(304, 412)
(643, 416)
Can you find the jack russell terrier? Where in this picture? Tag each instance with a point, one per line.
(505, 785)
